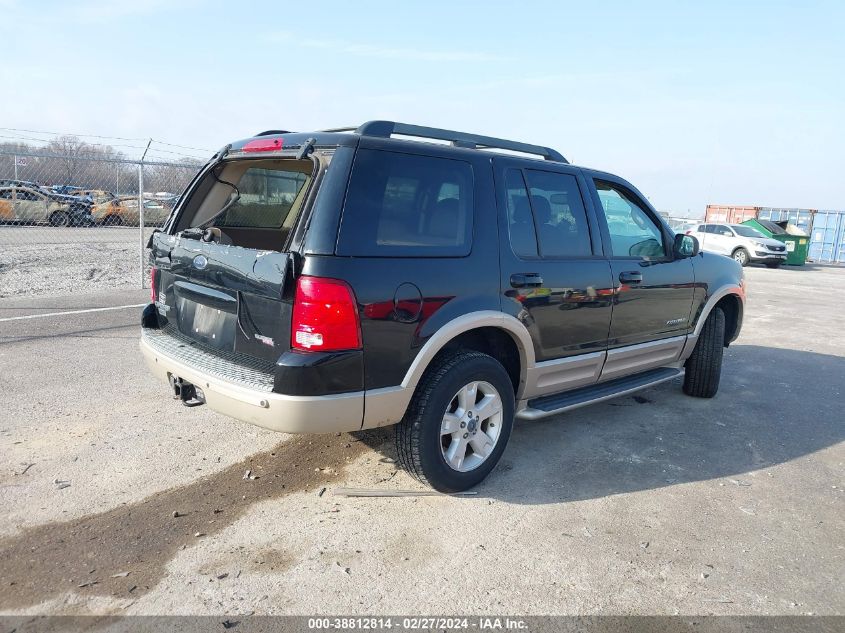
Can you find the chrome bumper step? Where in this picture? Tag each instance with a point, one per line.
(240, 369)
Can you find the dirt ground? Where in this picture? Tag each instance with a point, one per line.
(52, 261)
(118, 500)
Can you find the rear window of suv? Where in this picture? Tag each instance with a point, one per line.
(261, 194)
(266, 198)
(405, 205)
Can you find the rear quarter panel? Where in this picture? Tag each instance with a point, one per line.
(403, 301)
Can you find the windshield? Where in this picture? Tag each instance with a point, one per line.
(747, 231)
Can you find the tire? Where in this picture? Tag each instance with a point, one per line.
(59, 218)
(112, 220)
(704, 366)
(741, 256)
(422, 446)
(773, 265)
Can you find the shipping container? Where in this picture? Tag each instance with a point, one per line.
(802, 218)
(729, 214)
(827, 236)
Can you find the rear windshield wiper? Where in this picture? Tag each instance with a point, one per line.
(226, 206)
(192, 233)
(200, 231)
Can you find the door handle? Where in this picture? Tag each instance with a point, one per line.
(631, 277)
(526, 280)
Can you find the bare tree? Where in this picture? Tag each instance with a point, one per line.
(70, 148)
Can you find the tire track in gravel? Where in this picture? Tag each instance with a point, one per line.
(85, 555)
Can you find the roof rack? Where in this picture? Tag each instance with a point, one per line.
(385, 129)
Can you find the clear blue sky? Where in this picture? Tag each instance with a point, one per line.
(697, 102)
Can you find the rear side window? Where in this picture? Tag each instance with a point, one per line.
(546, 212)
(559, 214)
(407, 205)
(523, 235)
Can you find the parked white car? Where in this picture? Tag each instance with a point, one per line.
(743, 243)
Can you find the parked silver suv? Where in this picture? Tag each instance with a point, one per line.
(743, 243)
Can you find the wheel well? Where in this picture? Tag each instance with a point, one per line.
(493, 342)
(730, 306)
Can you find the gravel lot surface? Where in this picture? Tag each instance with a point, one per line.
(38, 261)
(653, 504)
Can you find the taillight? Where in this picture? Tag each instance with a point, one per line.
(325, 316)
(153, 281)
(263, 145)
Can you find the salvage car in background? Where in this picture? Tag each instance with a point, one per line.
(95, 196)
(23, 205)
(123, 211)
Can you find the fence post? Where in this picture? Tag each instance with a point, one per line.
(141, 220)
(141, 244)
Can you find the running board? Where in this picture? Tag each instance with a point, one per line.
(559, 402)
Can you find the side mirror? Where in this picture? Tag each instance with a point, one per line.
(685, 246)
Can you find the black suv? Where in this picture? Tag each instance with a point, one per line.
(349, 279)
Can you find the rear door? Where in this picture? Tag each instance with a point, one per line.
(555, 278)
(721, 239)
(653, 291)
(227, 290)
(30, 206)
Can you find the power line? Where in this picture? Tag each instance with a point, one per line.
(167, 151)
(118, 138)
(97, 136)
(22, 138)
(199, 149)
(109, 145)
(42, 140)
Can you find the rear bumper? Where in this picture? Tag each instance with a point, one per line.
(278, 412)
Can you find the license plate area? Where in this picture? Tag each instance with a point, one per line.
(208, 324)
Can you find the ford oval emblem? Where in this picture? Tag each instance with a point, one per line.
(200, 262)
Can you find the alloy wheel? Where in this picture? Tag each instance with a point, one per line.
(471, 426)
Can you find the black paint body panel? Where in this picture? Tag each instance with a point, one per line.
(319, 373)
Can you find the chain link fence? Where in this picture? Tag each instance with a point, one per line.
(81, 220)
